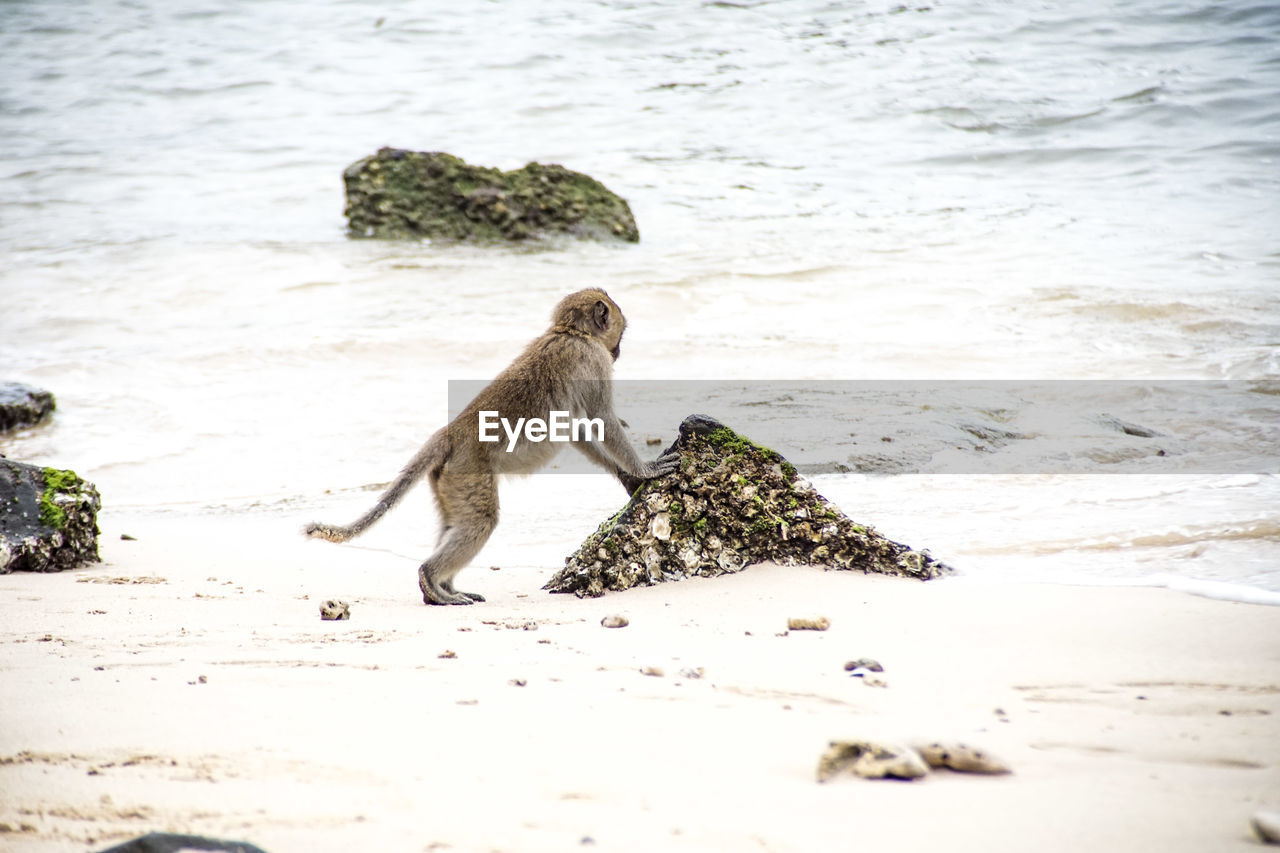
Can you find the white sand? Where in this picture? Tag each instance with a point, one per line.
(1133, 718)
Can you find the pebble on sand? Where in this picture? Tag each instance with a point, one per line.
(803, 623)
(333, 610)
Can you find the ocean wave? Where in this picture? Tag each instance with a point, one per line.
(1220, 590)
(1242, 593)
(825, 190)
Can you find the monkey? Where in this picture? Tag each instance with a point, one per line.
(568, 369)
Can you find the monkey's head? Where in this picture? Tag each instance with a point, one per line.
(591, 313)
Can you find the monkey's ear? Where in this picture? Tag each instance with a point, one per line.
(600, 315)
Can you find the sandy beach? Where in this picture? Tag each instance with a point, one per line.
(188, 684)
(1000, 279)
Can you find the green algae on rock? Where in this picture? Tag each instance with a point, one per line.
(48, 519)
(57, 484)
(731, 503)
(402, 194)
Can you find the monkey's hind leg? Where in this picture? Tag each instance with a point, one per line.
(459, 546)
(470, 513)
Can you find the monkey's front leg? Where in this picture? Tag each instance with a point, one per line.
(663, 465)
(628, 482)
(640, 471)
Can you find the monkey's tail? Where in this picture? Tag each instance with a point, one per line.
(427, 460)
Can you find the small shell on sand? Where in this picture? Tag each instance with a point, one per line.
(867, 664)
(961, 758)
(870, 761)
(334, 610)
(801, 623)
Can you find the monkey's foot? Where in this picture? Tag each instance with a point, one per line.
(445, 598)
(448, 588)
(436, 593)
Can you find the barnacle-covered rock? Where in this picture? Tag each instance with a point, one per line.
(433, 195)
(730, 504)
(48, 519)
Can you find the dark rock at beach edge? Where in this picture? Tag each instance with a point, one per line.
(731, 504)
(48, 519)
(402, 194)
(22, 405)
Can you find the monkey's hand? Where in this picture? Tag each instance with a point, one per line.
(660, 467)
(665, 464)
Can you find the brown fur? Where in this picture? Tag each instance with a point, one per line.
(569, 368)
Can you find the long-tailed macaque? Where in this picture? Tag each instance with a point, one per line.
(568, 369)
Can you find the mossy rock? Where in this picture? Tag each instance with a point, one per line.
(431, 195)
(730, 504)
(48, 519)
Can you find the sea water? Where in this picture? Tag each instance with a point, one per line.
(869, 195)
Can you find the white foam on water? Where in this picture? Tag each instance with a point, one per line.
(824, 191)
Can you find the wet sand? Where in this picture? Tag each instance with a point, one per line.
(188, 684)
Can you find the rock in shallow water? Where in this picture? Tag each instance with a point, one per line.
(22, 405)
(48, 519)
(416, 195)
(730, 504)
